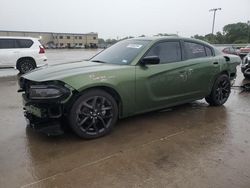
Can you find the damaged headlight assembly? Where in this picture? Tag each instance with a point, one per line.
(40, 92)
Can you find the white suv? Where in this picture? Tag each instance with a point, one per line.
(22, 53)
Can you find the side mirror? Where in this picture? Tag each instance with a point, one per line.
(150, 60)
(227, 58)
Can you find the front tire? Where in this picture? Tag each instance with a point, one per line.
(93, 114)
(220, 91)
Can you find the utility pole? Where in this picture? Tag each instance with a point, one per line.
(214, 10)
(248, 38)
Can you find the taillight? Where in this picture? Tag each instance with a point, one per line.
(42, 50)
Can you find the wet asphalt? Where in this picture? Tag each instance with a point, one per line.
(192, 145)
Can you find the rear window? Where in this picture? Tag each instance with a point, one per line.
(195, 50)
(7, 43)
(209, 52)
(24, 43)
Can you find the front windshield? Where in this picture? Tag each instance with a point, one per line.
(122, 53)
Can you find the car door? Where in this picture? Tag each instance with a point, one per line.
(7, 52)
(202, 67)
(165, 83)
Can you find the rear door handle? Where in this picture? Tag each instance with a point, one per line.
(215, 63)
(181, 72)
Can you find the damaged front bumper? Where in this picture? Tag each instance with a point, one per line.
(43, 117)
(46, 115)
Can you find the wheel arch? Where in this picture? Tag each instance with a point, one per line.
(25, 57)
(110, 90)
(225, 72)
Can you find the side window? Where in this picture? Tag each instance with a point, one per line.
(167, 51)
(7, 43)
(24, 43)
(209, 52)
(195, 50)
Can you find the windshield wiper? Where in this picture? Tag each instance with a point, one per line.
(99, 61)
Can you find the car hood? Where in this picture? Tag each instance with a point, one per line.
(62, 71)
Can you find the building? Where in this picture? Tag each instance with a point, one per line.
(59, 40)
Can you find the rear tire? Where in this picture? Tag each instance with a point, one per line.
(25, 65)
(220, 91)
(93, 114)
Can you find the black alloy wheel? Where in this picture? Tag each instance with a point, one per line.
(220, 92)
(93, 114)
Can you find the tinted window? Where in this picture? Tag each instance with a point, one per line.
(7, 43)
(195, 50)
(24, 43)
(209, 52)
(167, 52)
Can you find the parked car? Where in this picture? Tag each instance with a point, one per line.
(245, 66)
(131, 77)
(244, 51)
(22, 53)
(230, 50)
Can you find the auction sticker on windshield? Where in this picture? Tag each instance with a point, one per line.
(134, 46)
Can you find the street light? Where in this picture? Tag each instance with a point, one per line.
(214, 10)
(248, 38)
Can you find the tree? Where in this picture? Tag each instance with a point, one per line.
(219, 38)
(200, 37)
(110, 41)
(165, 34)
(236, 32)
(232, 33)
(101, 41)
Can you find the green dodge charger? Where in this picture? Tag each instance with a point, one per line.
(131, 77)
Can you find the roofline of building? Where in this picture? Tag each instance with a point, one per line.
(50, 32)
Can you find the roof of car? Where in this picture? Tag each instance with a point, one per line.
(156, 38)
(159, 38)
(16, 37)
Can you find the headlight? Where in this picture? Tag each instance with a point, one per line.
(46, 92)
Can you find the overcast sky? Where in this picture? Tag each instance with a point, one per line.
(120, 18)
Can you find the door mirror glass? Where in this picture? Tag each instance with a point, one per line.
(150, 60)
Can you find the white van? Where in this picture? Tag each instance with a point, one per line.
(22, 53)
